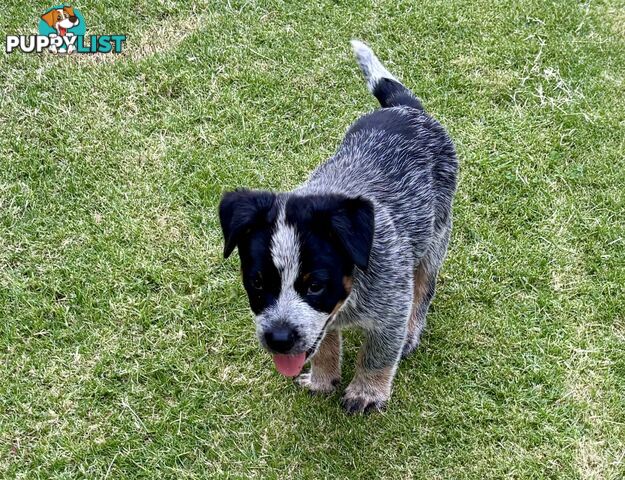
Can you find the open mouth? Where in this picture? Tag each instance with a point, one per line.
(291, 365)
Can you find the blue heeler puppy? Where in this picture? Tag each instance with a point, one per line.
(358, 245)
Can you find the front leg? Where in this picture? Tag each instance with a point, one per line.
(325, 369)
(377, 362)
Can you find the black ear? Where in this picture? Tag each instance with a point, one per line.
(241, 211)
(353, 224)
(349, 220)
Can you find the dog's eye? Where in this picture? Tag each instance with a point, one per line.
(257, 282)
(315, 288)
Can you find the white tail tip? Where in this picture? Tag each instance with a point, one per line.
(371, 67)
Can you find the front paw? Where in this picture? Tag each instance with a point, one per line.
(357, 401)
(316, 385)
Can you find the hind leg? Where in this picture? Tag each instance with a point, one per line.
(424, 287)
(425, 275)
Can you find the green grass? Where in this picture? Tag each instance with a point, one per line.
(127, 347)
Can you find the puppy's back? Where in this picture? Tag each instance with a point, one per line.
(398, 156)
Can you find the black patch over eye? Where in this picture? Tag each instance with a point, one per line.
(315, 288)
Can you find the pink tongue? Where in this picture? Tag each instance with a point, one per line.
(289, 365)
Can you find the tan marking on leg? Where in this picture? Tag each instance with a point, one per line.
(420, 290)
(369, 389)
(325, 370)
(379, 381)
(374, 383)
(327, 362)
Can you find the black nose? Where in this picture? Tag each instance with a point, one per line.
(281, 339)
(73, 18)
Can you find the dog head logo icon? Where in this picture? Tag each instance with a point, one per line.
(62, 21)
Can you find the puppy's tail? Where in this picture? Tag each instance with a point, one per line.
(389, 91)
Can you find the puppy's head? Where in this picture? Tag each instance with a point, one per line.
(297, 255)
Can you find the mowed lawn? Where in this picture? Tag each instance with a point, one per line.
(127, 347)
